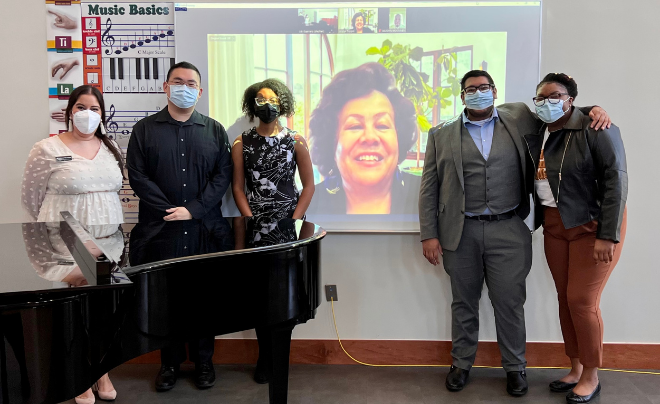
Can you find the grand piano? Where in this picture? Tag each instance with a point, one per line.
(76, 302)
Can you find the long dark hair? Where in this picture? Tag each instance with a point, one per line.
(73, 99)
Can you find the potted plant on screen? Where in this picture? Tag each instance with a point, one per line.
(403, 62)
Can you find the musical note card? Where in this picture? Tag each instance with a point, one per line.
(124, 110)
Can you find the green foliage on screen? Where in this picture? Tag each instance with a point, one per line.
(399, 60)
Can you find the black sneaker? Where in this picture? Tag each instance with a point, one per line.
(204, 375)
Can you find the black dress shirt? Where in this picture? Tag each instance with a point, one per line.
(172, 163)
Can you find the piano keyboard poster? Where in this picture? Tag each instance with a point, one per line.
(127, 51)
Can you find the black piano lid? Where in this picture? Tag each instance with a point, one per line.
(36, 264)
(214, 237)
(35, 258)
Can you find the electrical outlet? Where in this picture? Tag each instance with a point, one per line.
(331, 292)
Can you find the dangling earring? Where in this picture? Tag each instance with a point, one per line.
(70, 127)
(103, 132)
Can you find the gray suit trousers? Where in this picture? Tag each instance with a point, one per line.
(499, 252)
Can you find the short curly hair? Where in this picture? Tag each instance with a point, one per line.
(562, 79)
(287, 102)
(355, 17)
(348, 85)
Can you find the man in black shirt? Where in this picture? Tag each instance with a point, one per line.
(179, 165)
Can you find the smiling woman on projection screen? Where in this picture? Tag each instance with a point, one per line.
(360, 132)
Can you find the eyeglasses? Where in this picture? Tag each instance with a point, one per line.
(553, 98)
(263, 101)
(190, 84)
(483, 88)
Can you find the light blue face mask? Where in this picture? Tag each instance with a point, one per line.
(479, 100)
(183, 96)
(550, 113)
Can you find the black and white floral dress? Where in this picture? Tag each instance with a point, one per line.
(270, 172)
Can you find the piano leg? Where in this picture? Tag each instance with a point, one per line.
(278, 339)
(3, 368)
(11, 329)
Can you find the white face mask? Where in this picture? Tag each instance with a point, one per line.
(86, 121)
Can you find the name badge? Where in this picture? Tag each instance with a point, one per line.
(64, 158)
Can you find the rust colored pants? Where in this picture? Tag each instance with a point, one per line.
(580, 283)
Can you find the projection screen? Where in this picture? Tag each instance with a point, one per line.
(369, 80)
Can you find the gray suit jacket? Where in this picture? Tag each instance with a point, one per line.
(442, 195)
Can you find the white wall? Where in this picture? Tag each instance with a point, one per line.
(386, 290)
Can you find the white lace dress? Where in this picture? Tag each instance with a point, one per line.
(56, 179)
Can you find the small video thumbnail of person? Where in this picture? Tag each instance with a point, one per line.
(318, 21)
(397, 20)
(358, 20)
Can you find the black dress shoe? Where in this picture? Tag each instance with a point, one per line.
(166, 378)
(260, 373)
(561, 387)
(456, 378)
(573, 398)
(204, 375)
(516, 383)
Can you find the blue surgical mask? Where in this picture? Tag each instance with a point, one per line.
(479, 100)
(550, 113)
(183, 96)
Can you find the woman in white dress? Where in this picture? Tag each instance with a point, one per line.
(79, 171)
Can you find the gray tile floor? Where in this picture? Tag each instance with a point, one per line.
(346, 384)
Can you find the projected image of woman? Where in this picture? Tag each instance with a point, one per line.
(360, 131)
(358, 22)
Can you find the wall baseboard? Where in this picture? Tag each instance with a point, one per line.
(401, 352)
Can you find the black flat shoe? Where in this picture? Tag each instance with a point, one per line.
(561, 387)
(516, 383)
(204, 375)
(456, 378)
(573, 398)
(166, 378)
(260, 374)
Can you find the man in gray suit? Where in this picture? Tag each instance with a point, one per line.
(474, 195)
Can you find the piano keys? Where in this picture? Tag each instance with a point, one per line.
(178, 281)
(135, 75)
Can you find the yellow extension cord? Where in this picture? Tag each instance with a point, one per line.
(332, 303)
